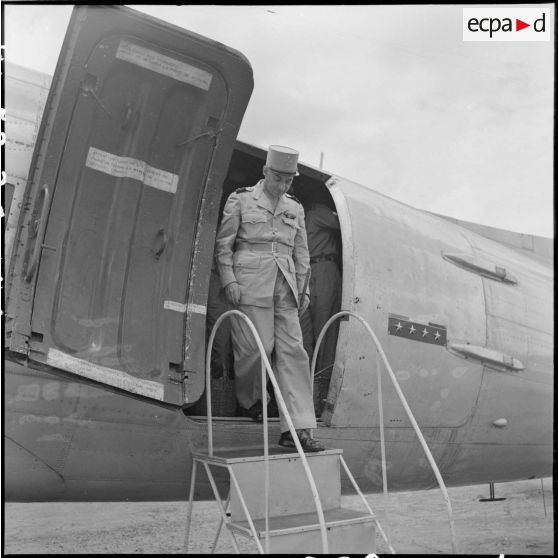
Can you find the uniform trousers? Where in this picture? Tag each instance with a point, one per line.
(279, 330)
(325, 301)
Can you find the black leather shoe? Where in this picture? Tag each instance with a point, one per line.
(255, 412)
(306, 441)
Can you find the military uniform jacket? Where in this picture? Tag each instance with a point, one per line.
(254, 242)
(322, 230)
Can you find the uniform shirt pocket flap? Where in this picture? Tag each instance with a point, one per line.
(290, 222)
(254, 218)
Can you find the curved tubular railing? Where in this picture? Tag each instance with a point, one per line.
(405, 406)
(279, 397)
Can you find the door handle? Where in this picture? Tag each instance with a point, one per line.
(489, 357)
(44, 198)
(163, 239)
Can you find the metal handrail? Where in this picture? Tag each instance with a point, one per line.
(279, 397)
(405, 406)
(366, 504)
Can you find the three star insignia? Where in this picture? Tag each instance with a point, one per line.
(425, 333)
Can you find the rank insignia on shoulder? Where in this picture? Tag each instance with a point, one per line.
(243, 189)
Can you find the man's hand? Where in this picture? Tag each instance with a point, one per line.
(304, 303)
(232, 293)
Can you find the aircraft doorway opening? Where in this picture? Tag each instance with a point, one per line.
(325, 286)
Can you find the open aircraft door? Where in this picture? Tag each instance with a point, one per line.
(110, 270)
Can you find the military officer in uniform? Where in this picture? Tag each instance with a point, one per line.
(323, 233)
(263, 260)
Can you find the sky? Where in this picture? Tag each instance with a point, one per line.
(391, 95)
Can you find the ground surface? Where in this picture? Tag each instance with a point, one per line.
(416, 523)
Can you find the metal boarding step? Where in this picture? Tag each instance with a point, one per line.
(293, 529)
(293, 523)
(348, 531)
(268, 500)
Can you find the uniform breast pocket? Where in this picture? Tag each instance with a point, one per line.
(289, 226)
(254, 219)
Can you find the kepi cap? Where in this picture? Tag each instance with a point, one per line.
(282, 159)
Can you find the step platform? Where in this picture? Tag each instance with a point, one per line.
(348, 531)
(293, 519)
(289, 490)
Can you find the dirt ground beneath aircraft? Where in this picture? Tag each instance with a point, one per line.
(416, 521)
